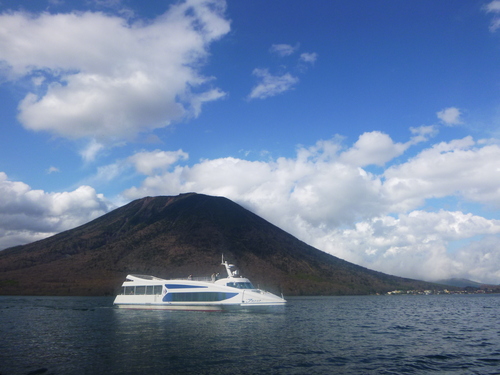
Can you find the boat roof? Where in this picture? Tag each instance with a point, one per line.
(232, 274)
(143, 277)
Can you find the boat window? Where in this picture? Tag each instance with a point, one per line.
(241, 285)
(198, 297)
(141, 290)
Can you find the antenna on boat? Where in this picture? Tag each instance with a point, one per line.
(228, 266)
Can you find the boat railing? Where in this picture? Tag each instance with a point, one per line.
(198, 278)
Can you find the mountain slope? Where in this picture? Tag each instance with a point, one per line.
(460, 283)
(177, 236)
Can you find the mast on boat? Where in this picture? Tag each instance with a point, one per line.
(230, 273)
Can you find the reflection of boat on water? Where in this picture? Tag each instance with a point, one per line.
(194, 293)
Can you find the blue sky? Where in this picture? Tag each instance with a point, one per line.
(368, 129)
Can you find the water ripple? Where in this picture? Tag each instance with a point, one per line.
(345, 335)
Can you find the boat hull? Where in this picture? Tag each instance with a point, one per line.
(207, 308)
(169, 307)
(235, 303)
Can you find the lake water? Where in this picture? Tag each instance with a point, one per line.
(455, 334)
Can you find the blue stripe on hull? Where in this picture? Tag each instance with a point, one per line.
(198, 297)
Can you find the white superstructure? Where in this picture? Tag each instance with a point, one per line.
(208, 294)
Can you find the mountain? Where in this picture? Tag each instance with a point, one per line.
(177, 236)
(460, 283)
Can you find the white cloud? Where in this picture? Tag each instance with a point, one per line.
(416, 245)
(494, 7)
(450, 116)
(106, 78)
(27, 215)
(284, 49)
(324, 197)
(198, 99)
(460, 168)
(89, 153)
(309, 57)
(373, 148)
(156, 161)
(271, 85)
(328, 183)
(107, 173)
(480, 259)
(423, 133)
(315, 187)
(144, 163)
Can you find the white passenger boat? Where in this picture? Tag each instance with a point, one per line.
(207, 294)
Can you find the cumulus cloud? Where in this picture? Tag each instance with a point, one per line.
(326, 172)
(373, 148)
(317, 188)
(108, 78)
(450, 116)
(324, 197)
(480, 259)
(271, 85)
(27, 215)
(417, 245)
(462, 168)
(153, 161)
